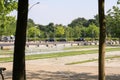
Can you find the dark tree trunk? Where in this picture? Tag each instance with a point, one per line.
(20, 41)
(102, 40)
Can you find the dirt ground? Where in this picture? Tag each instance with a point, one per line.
(55, 69)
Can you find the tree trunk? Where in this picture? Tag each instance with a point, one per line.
(20, 42)
(102, 40)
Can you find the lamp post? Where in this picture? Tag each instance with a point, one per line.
(28, 12)
(33, 5)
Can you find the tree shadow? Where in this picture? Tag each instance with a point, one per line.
(62, 75)
(8, 75)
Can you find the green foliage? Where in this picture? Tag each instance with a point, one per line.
(93, 31)
(83, 32)
(10, 25)
(77, 32)
(1, 5)
(7, 6)
(59, 31)
(33, 32)
(30, 23)
(113, 22)
(69, 32)
(78, 22)
(96, 20)
(48, 31)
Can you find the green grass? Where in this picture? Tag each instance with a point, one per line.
(62, 54)
(80, 62)
(7, 59)
(80, 47)
(91, 60)
(112, 49)
(6, 52)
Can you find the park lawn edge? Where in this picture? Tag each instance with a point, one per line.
(56, 55)
(91, 60)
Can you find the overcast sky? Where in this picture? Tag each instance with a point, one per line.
(64, 11)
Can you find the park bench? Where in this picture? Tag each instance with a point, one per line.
(1, 72)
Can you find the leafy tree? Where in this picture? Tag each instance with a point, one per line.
(102, 40)
(43, 32)
(90, 21)
(69, 32)
(9, 28)
(96, 20)
(109, 26)
(59, 31)
(77, 32)
(6, 6)
(30, 23)
(113, 23)
(78, 22)
(19, 71)
(9, 5)
(84, 32)
(33, 32)
(47, 30)
(92, 31)
(10, 25)
(51, 30)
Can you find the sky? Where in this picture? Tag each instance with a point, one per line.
(64, 11)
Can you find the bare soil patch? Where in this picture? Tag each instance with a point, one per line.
(55, 69)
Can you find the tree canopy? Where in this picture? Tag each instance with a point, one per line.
(6, 7)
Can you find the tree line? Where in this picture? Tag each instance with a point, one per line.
(79, 27)
(75, 29)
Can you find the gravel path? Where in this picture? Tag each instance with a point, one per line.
(55, 68)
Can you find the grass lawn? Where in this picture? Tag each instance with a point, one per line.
(6, 52)
(61, 54)
(81, 47)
